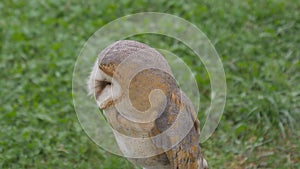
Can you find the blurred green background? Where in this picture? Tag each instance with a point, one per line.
(258, 42)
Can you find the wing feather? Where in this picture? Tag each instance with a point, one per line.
(186, 154)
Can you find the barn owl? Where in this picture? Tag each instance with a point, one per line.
(153, 121)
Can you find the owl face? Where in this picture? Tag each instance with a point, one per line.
(104, 88)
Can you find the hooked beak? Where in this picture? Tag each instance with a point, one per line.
(108, 95)
(105, 99)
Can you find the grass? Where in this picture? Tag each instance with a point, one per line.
(258, 42)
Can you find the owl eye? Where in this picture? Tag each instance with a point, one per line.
(100, 86)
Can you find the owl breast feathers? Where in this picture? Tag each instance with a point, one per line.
(134, 86)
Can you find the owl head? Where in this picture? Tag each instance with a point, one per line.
(133, 75)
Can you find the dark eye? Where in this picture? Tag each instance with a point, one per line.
(100, 85)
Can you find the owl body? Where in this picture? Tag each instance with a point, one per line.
(154, 122)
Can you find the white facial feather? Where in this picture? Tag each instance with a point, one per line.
(109, 92)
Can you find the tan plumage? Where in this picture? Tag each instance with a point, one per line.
(165, 107)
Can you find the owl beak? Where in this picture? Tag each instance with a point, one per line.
(106, 104)
(105, 99)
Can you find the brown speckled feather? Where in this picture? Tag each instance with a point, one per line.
(186, 154)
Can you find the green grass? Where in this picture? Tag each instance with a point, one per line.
(258, 42)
